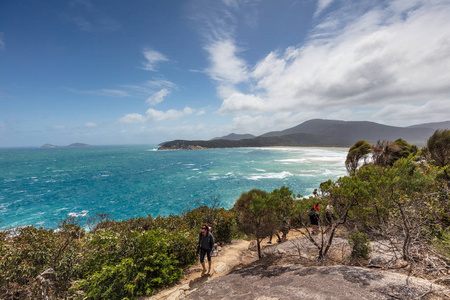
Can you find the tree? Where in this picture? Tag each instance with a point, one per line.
(358, 151)
(254, 215)
(385, 153)
(282, 204)
(439, 147)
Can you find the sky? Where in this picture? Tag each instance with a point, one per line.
(109, 72)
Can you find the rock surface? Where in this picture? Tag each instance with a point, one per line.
(297, 282)
(233, 278)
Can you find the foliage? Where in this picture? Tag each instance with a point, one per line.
(221, 220)
(27, 252)
(135, 264)
(442, 243)
(358, 151)
(225, 228)
(360, 245)
(254, 216)
(116, 259)
(439, 148)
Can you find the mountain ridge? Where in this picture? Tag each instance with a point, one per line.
(320, 133)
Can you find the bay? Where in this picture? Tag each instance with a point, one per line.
(43, 187)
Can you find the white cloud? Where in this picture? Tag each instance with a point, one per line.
(397, 53)
(225, 66)
(321, 6)
(239, 102)
(153, 57)
(153, 115)
(261, 124)
(157, 97)
(132, 119)
(435, 110)
(2, 43)
(90, 125)
(92, 19)
(160, 83)
(171, 114)
(103, 92)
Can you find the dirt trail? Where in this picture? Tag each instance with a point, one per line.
(231, 257)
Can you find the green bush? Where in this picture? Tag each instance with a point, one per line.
(442, 244)
(225, 227)
(132, 264)
(27, 252)
(360, 245)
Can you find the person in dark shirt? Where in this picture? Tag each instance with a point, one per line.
(206, 244)
(314, 219)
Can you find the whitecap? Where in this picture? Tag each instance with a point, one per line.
(280, 175)
(83, 213)
(296, 160)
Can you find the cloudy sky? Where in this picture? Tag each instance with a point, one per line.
(148, 71)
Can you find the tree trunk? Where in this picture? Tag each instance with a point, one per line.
(258, 244)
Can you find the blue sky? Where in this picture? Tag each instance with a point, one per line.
(144, 72)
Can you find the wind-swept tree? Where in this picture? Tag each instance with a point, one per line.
(439, 148)
(358, 151)
(385, 153)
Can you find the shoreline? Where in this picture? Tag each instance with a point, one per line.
(262, 147)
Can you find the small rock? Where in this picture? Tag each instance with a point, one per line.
(378, 261)
(222, 268)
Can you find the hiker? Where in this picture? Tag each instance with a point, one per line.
(270, 239)
(213, 250)
(316, 207)
(314, 219)
(206, 244)
(329, 213)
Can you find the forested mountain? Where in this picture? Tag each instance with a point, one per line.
(235, 137)
(361, 130)
(435, 125)
(320, 133)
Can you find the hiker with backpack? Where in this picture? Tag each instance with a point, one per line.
(329, 213)
(205, 244)
(314, 219)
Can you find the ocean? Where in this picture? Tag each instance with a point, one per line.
(42, 187)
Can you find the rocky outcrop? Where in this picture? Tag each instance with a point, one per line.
(234, 278)
(49, 146)
(297, 282)
(71, 145)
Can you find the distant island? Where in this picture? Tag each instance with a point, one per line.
(317, 133)
(71, 145)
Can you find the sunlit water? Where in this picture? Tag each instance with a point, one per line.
(42, 187)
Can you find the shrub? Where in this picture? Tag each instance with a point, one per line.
(442, 244)
(129, 264)
(360, 245)
(225, 227)
(27, 252)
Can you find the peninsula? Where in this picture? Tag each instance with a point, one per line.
(317, 133)
(71, 145)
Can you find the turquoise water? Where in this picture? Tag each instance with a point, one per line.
(42, 187)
